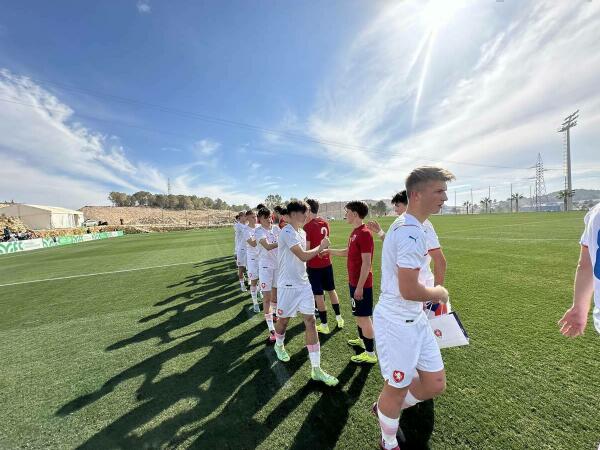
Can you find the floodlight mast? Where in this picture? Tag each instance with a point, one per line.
(570, 122)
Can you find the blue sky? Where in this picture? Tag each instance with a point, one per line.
(337, 100)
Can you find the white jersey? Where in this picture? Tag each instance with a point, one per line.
(248, 233)
(267, 258)
(591, 240)
(239, 236)
(426, 275)
(405, 246)
(292, 271)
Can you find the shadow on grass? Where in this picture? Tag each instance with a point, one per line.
(213, 402)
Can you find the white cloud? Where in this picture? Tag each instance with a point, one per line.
(493, 94)
(48, 157)
(143, 6)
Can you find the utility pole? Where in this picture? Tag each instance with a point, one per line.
(569, 122)
(540, 184)
(511, 198)
(472, 201)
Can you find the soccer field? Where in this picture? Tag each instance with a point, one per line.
(146, 341)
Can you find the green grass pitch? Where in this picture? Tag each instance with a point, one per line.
(140, 356)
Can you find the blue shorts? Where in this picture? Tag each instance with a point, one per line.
(364, 307)
(321, 279)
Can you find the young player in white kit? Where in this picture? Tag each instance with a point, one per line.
(267, 236)
(434, 254)
(587, 280)
(252, 257)
(405, 343)
(240, 248)
(294, 290)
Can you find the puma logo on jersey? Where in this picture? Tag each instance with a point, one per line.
(413, 238)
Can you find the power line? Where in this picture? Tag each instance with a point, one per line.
(44, 108)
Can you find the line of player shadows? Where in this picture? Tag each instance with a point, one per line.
(238, 388)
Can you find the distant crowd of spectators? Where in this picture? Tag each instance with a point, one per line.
(10, 236)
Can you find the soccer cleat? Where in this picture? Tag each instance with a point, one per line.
(319, 374)
(243, 288)
(323, 328)
(383, 447)
(282, 355)
(340, 322)
(271, 339)
(358, 342)
(364, 358)
(256, 308)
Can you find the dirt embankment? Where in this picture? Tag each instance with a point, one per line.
(144, 217)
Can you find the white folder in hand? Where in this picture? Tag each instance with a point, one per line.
(448, 330)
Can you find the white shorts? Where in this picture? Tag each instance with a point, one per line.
(241, 257)
(252, 268)
(267, 278)
(403, 347)
(291, 301)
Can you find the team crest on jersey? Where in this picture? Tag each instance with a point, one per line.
(280, 312)
(263, 285)
(398, 376)
(437, 332)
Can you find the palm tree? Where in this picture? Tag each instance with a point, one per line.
(516, 197)
(467, 204)
(564, 195)
(487, 203)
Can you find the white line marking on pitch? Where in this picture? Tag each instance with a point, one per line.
(505, 239)
(83, 275)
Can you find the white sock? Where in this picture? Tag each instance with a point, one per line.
(315, 358)
(242, 283)
(279, 338)
(370, 353)
(269, 320)
(338, 317)
(410, 400)
(253, 294)
(389, 428)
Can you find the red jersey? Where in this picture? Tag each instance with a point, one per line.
(316, 230)
(282, 223)
(361, 241)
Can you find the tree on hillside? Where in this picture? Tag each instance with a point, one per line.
(379, 208)
(273, 200)
(119, 198)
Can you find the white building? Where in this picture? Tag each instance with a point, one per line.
(39, 217)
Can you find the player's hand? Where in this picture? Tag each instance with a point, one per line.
(358, 294)
(325, 252)
(573, 323)
(441, 295)
(374, 227)
(325, 243)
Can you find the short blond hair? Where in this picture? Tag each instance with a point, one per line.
(422, 175)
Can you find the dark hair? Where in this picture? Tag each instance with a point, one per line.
(260, 206)
(400, 197)
(359, 207)
(422, 175)
(264, 212)
(284, 211)
(297, 206)
(313, 205)
(241, 213)
(278, 209)
(250, 212)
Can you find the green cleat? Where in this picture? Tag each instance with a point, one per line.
(340, 322)
(364, 358)
(358, 342)
(323, 328)
(282, 355)
(319, 374)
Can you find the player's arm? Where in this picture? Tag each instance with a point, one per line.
(307, 255)
(251, 242)
(439, 265)
(336, 251)
(266, 244)
(411, 289)
(376, 229)
(365, 268)
(574, 321)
